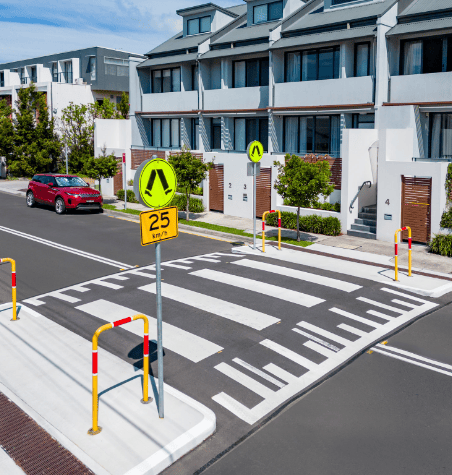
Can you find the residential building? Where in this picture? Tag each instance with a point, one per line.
(366, 82)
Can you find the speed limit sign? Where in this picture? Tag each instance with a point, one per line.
(159, 225)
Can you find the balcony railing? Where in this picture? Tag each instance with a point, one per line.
(64, 77)
(28, 79)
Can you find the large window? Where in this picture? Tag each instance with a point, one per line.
(215, 139)
(2, 79)
(440, 136)
(194, 78)
(116, 66)
(92, 68)
(165, 133)
(166, 80)
(250, 73)
(312, 134)
(362, 59)
(313, 65)
(194, 134)
(363, 121)
(428, 55)
(55, 72)
(198, 25)
(248, 130)
(267, 12)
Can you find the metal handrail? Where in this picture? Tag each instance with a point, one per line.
(359, 191)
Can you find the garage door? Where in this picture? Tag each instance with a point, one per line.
(263, 192)
(416, 207)
(216, 188)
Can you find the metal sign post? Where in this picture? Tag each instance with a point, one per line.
(255, 152)
(155, 185)
(124, 179)
(254, 205)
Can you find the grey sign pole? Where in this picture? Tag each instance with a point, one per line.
(124, 168)
(67, 166)
(254, 204)
(158, 272)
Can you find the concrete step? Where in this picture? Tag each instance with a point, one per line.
(361, 234)
(367, 222)
(369, 209)
(370, 216)
(363, 227)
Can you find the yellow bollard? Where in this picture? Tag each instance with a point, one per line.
(396, 249)
(13, 284)
(279, 228)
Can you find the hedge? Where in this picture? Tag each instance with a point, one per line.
(130, 196)
(195, 205)
(329, 226)
(441, 244)
(446, 219)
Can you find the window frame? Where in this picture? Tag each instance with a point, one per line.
(151, 135)
(199, 25)
(259, 120)
(161, 80)
(317, 51)
(355, 64)
(259, 70)
(430, 127)
(268, 12)
(212, 134)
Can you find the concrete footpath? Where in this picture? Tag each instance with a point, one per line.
(46, 371)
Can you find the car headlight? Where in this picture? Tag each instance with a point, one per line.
(72, 194)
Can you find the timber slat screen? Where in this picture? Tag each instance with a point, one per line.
(117, 179)
(263, 191)
(139, 156)
(416, 207)
(216, 188)
(335, 167)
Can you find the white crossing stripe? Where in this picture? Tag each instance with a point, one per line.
(33, 301)
(317, 340)
(80, 288)
(245, 380)
(117, 277)
(260, 287)
(297, 274)
(405, 304)
(176, 266)
(64, 297)
(289, 354)
(205, 259)
(258, 372)
(380, 315)
(104, 283)
(325, 333)
(355, 317)
(319, 349)
(407, 296)
(231, 311)
(353, 330)
(141, 274)
(280, 373)
(232, 405)
(381, 305)
(184, 343)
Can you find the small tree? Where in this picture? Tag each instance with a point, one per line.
(6, 130)
(104, 166)
(190, 172)
(124, 106)
(300, 183)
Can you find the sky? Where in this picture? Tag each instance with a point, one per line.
(30, 28)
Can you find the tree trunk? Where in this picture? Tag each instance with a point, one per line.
(298, 224)
(187, 210)
(100, 189)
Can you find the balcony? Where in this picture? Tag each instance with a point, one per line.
(328, 92)
(436, 87)
(236, 98)
(170, 101)
(64, 77)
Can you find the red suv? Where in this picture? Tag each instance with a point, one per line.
(63, 192)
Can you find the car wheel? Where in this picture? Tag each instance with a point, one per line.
(30, 199)
(60, 207)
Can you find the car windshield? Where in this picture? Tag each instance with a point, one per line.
(70, 181)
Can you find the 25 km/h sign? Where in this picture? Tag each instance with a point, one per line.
(158, 225)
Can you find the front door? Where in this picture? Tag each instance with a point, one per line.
(416, 207)
(216, 188)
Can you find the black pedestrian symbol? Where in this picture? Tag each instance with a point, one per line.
(151, 182)
(255, 151)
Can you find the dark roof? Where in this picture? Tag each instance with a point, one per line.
(179, 43)
(427, 6)
(243, 32)
(204, 8)
(421, 26)
(243, 50)
(179, 58)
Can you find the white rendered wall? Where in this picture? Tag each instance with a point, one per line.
(63, 94)
(435, 87)
(170, 101)
(236, 98)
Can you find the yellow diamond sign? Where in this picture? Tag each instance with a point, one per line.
(255, 151)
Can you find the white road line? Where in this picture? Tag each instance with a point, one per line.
(245, 380)
(355, 317)
(140, 274)
(205, 259)
(176, 266)
(380, 315)
(232, 405)
(289, 354)
(280, 373)
(117, 277)
(325, 333)
(407, 296)
(184, 343)
(62, 247)
(317, 340)
(405, 304)
(231, 311)
(34, 301)
(353, 330)
(66, 298)
(260, 287)
(319, 349)
(297, 274)
(104, 283)
(407, 360)
(413, 355)
(80, 288)
(258, 372)
(381, 305)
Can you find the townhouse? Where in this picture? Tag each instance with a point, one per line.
(366, 82)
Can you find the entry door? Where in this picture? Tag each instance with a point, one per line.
(263, 192)
(416, 207)
(216, 188)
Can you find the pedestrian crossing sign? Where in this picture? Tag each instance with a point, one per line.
(255, 151)
(156, 183)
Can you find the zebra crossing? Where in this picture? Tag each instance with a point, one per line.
(268, 331)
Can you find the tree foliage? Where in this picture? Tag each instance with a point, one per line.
(190, 172)
(124, 106)
(6, 130)
(300, 183)
(104, 166)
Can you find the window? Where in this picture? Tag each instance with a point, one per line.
(216, 134)
(312, 134)
(166, 80)
(195, 134)
(116, 66)
(198, 25)
(426, 56)
(251, 73)
(165, 133)
(67, 72)
(54, 72)
(312, 65)
(362, 59)
(363, 121)
(92, 68)
(2, 79)
(248, 130)
(194, 78)
(267, 12)
(440, 136)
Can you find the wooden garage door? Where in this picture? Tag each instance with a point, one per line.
(416, 207)
(117, 179)
(263, 192)
(216, 188)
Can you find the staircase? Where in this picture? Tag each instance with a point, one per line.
(365, 225)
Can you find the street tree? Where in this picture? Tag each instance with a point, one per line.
(6, 130)
(300, 183)
(36, 146)
(190, 172)
(124, 106)
(104, 166)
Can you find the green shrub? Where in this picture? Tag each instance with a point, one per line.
(330, 226)
(130, 196)
(337, 207)
(441, 244)
(323, 206)
(195, 205)
(446, 219)
(196, 191)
